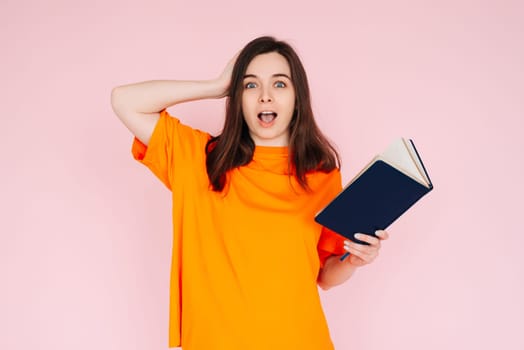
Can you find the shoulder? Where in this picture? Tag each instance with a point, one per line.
(325, 181)
(179, 137)
(173, 124)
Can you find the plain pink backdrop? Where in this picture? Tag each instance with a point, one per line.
(86, 231)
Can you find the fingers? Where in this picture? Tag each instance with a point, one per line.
(366, 253)
(368, 239)
(234, 58)
(382, 234)
(224, 80)
(231, 64)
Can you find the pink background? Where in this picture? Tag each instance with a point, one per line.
(85, 231)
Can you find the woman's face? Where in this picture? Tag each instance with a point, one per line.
(268, 99)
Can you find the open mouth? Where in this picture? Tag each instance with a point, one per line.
(267, 116)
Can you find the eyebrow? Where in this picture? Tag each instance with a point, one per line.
(274, 76)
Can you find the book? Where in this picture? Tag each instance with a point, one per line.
(379, 194)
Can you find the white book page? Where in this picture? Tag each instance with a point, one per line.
(398, 155)
(416, 160)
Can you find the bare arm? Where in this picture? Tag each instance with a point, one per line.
(138, 105)
(336, 272)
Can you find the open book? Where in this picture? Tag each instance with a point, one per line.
(379, 194)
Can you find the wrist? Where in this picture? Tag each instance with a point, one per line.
(218, 87)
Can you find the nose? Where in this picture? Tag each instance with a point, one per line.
(265, 96)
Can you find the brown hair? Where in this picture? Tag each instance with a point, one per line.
(309, 149)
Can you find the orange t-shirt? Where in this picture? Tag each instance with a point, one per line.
(245, 261)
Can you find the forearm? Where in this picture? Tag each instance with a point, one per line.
(138, 105)
(335, 272)
(156, 95)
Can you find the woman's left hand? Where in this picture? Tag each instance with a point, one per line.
(361, 254)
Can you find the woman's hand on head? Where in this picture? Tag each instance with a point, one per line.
(361, 254)
(224, 80)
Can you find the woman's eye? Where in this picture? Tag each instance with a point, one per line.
(250, 85)
(280, 84)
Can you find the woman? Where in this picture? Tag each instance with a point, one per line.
(247, 254)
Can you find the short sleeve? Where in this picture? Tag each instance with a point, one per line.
(171, 141)
(330, 243)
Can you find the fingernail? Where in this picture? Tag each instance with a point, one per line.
(358, 236)
(379, 232)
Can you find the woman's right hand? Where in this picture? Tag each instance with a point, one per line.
(224, 80)
(138, 105)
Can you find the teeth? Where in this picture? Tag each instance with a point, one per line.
(267, 113)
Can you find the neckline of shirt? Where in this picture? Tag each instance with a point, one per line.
(271, 150)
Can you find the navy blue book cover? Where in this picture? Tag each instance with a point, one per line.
(379, 196)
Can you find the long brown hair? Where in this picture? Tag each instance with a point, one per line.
(308, 148)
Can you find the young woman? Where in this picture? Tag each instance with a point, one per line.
(247, 254)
